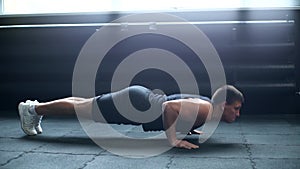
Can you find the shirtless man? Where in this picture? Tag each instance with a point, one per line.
(174, 110)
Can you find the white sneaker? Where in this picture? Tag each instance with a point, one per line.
(37, 125)
(27, 119)
(38, 120)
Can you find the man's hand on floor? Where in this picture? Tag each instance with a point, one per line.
(184, 144)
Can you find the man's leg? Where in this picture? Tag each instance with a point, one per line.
(66, 106)
(31, 112)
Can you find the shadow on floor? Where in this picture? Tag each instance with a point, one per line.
(130, 144)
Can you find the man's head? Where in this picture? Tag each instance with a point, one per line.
(230, 100)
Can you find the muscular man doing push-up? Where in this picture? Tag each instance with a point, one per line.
(173, 110)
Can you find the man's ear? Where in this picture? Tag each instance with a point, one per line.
(223, 105)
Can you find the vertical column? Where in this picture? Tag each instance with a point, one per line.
(297, 59)
(1, 7)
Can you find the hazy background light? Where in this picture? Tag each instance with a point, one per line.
(75, 6)
(54, 6)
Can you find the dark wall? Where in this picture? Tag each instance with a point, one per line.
(261, 59)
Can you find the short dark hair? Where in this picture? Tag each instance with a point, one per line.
(232, 94)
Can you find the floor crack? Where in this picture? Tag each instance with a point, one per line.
(8, 161)
(170, 162)
(248, 149)
(253, 164)
(89, 161)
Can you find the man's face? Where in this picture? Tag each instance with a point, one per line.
(231, 111)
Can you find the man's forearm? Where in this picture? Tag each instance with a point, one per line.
(170, 115)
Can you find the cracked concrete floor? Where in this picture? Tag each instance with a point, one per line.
(253, 142)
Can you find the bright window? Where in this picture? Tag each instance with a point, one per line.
(75, 6)
(54, 6)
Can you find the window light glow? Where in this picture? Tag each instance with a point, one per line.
(74, 6)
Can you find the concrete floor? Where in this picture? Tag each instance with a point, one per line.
(253, 142)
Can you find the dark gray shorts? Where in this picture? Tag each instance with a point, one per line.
(141, 98)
